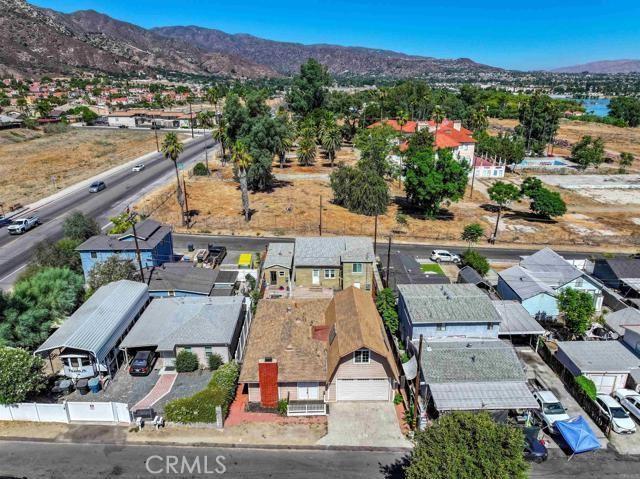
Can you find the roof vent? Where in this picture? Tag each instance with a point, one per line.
(473, 358)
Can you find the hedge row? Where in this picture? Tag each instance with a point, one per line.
(201, 407)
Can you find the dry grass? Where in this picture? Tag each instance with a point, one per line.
(29, 159)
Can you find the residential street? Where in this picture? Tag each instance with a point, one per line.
(122, 187)
(56, 460)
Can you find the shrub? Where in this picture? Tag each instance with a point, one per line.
(397, 399)
(200, 170)
(476, 261)
(588, 386)
(283, 404)
(186, 362)
(20, 375)
(215, 361)
(201, 407)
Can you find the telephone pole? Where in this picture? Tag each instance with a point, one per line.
(416, 387)
(320, 224)
(191, 118)
(388, 261)
(375, 236)
(186, 201)
(132, 218)
(473, 175)
(155, 130)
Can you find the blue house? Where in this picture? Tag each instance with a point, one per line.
(446, 311)
(154, 240)
(537, 280)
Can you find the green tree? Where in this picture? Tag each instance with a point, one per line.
(548, 203)
(219, 134)
(242, 161)
(21, 375)
(77, 226)
(386, 304)
(37, 303)
(626, 109)
(360, 189)
(588, 151)
(309, 88)
(626, 160)
(114, 268)
(502, 194)
(234, 117)
(307, 147)
(172, 148)
(200, 169)
(428, 183)
(577, 309)
(331, 141)
(122, 223)
(539, 118)
(438, 117)
(475, 260)
(467, 445)
(61, 254)
(375, 146)
(478, 119)
(472, 233)
(283, 141)
(531, 186)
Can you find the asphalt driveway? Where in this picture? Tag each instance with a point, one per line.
(372, 424)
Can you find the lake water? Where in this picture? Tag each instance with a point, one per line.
(597, 106)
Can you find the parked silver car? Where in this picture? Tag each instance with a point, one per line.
(630, 400)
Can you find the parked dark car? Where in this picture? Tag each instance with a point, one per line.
(97, 186)
(534, 447)
(217, 254)
(142, 363)
(123, 126)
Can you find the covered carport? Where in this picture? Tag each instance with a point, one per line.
(516, 323)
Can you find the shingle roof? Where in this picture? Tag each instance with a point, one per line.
(100, 320)
(625, 267)
(180, 277)
(149, 232)
(599, 356)
(331, 251)
(279, 254)
(183, 321)
(524, 283)
(617, 319)
(551, 268)
(447, 303)
(482, 396)
(470, 276)
(516, 319)
(283, 329)
(474, 361)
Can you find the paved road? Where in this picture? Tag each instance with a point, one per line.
(122, 188)
(55, 460)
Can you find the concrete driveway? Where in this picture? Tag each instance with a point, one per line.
(372, 424)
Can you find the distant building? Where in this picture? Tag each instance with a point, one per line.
(154, 240)
(146, 118)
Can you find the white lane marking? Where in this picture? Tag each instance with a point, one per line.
(14, 272)
(106, 226)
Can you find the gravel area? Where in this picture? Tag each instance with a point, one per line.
(123, 388)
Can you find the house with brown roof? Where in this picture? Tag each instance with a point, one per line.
(316, 351)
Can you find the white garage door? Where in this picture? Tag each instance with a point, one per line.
(363, 390)
(606, 383)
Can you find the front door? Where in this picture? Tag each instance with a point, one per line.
(273, 276)
(307, 391)
(315, 277)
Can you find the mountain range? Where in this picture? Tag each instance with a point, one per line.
(37, 41)
(604, 66)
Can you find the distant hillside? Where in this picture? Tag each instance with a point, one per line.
(605, 66)
(286, 58)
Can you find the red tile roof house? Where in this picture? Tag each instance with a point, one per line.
(451, 134)
(316, 351)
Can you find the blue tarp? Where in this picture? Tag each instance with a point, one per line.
(578, 434)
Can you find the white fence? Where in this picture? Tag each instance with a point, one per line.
(306, 409)
(107, 412)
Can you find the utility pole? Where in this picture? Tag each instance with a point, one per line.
(375, 236)
(320, 224)
(132, 218)
(473, 175)
(206, 157)
(191, 118)
(388, 261)
(416, 386)
(155, 130)
(186, 201)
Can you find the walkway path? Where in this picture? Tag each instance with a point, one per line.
(160, 390)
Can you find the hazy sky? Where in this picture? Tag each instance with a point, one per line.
(510, 34)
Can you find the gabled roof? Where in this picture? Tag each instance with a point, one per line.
(149, 232)
(100, 320)
(551, 268)
(355, 324)
(599, 356)
(616, 320)
(181, 277)
(279, 254)
(524, 283)
(447, 303)
(624, 268)
(184, 321)
(332, 251)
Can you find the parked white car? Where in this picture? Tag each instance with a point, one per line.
(551, 409)
(620, 420)
(630, 400)
(444, 256)
(138, 167)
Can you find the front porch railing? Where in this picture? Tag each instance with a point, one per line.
(307, 408)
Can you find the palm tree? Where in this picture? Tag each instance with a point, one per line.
(438, 117)
(172, 148)
(331, 142)
(307, 147)
(242, 161)
(283, 143)
(205, 119)
(403, 118)
(212, 96)
(219, 133)
(478, 119)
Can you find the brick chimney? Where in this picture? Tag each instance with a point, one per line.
(268, 378)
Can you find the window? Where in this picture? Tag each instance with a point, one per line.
(357, 268)
(441, 327)
(329, 273)
(361, 356)
(489, 326)
(171, 294)
(187, 348)
(94, 255)
(281, 274)
(208, 351)
(579, 283)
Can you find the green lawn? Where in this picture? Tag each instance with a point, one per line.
(431, 268)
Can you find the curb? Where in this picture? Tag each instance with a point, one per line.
(291, 447)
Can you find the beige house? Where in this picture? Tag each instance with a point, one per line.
(315, 351)
(277, 268)
(334, 262)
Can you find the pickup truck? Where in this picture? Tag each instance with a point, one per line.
(23, 225)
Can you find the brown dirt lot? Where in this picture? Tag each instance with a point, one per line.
(293, 208)
(29, 159)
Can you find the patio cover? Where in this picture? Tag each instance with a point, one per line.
(578, 434)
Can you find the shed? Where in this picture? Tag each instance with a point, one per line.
(88, 340)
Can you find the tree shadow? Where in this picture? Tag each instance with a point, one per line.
(408, 209)
(395, 470)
